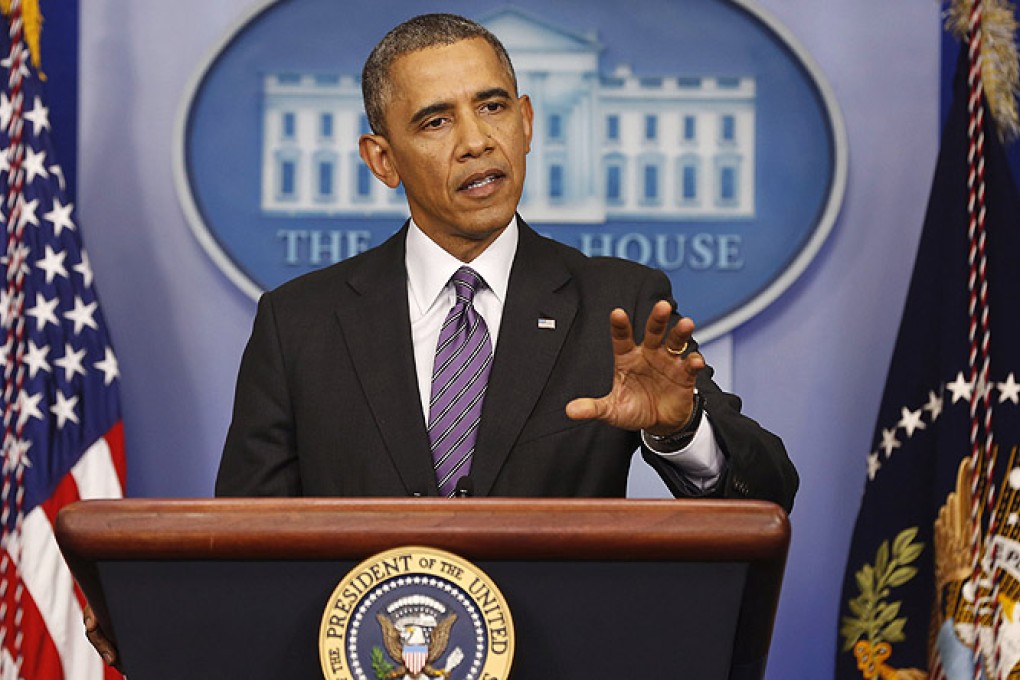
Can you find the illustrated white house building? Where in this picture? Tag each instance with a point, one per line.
(606, 146)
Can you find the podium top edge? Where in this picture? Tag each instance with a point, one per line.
(500, 528)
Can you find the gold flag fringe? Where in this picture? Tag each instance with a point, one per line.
(32, 17)
(1000, 65)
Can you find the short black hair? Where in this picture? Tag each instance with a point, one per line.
(419, 33)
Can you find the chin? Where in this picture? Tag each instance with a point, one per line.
(485, 229)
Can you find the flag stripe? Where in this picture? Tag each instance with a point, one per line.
(66, 492)
(96, 474)
(58, 598)
(51, 586)
(115, 440)
(40, 658)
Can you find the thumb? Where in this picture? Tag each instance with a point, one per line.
(585, 408)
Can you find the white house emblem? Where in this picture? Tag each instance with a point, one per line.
(704, 142)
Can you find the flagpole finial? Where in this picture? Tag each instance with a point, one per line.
(1000, 64)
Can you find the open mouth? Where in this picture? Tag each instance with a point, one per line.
(481, 182)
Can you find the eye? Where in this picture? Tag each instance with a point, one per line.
(434, 123)
(493, 107)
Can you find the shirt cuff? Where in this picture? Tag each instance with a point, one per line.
(701, 462)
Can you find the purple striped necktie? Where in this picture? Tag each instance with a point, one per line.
(459, 378)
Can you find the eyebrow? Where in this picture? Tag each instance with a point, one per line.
(439, 107)
(424, 112)
(491, 93)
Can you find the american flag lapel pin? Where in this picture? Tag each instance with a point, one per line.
(548, 324)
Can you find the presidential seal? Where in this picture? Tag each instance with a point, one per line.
(414, 613)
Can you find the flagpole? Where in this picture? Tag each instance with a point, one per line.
(14, 349)
(982, 447)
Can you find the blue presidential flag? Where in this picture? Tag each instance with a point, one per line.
(933, 575)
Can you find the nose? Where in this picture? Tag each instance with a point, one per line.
(475, 137)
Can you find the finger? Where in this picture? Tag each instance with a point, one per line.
(694, 364)
(620, 331)
(102, 645)
(586, 408)
(99, 641)
(655, 327)
(680, 335)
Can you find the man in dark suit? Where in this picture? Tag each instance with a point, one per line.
(333, 395)
(336, 394)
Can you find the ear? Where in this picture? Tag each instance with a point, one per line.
(528, 117)
(376, 153)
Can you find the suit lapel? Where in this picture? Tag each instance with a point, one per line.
(525, 352)
(374, 319)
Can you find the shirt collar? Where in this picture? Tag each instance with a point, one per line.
(429, 267)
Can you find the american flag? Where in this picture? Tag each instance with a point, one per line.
(63, 437)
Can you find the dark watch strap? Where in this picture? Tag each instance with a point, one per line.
(668, 443)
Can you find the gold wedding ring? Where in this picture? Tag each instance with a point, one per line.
(677, 352)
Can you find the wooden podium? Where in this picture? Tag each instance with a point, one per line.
(597, 588)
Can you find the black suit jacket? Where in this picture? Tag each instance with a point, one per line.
(327, 401)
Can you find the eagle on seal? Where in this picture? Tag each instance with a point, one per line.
(401, 645)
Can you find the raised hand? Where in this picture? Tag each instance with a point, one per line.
(653, 383)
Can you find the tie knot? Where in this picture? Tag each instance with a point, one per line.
(465, 282)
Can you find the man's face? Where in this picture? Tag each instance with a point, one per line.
(457, 137)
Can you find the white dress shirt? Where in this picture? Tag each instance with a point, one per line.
(430, 295)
